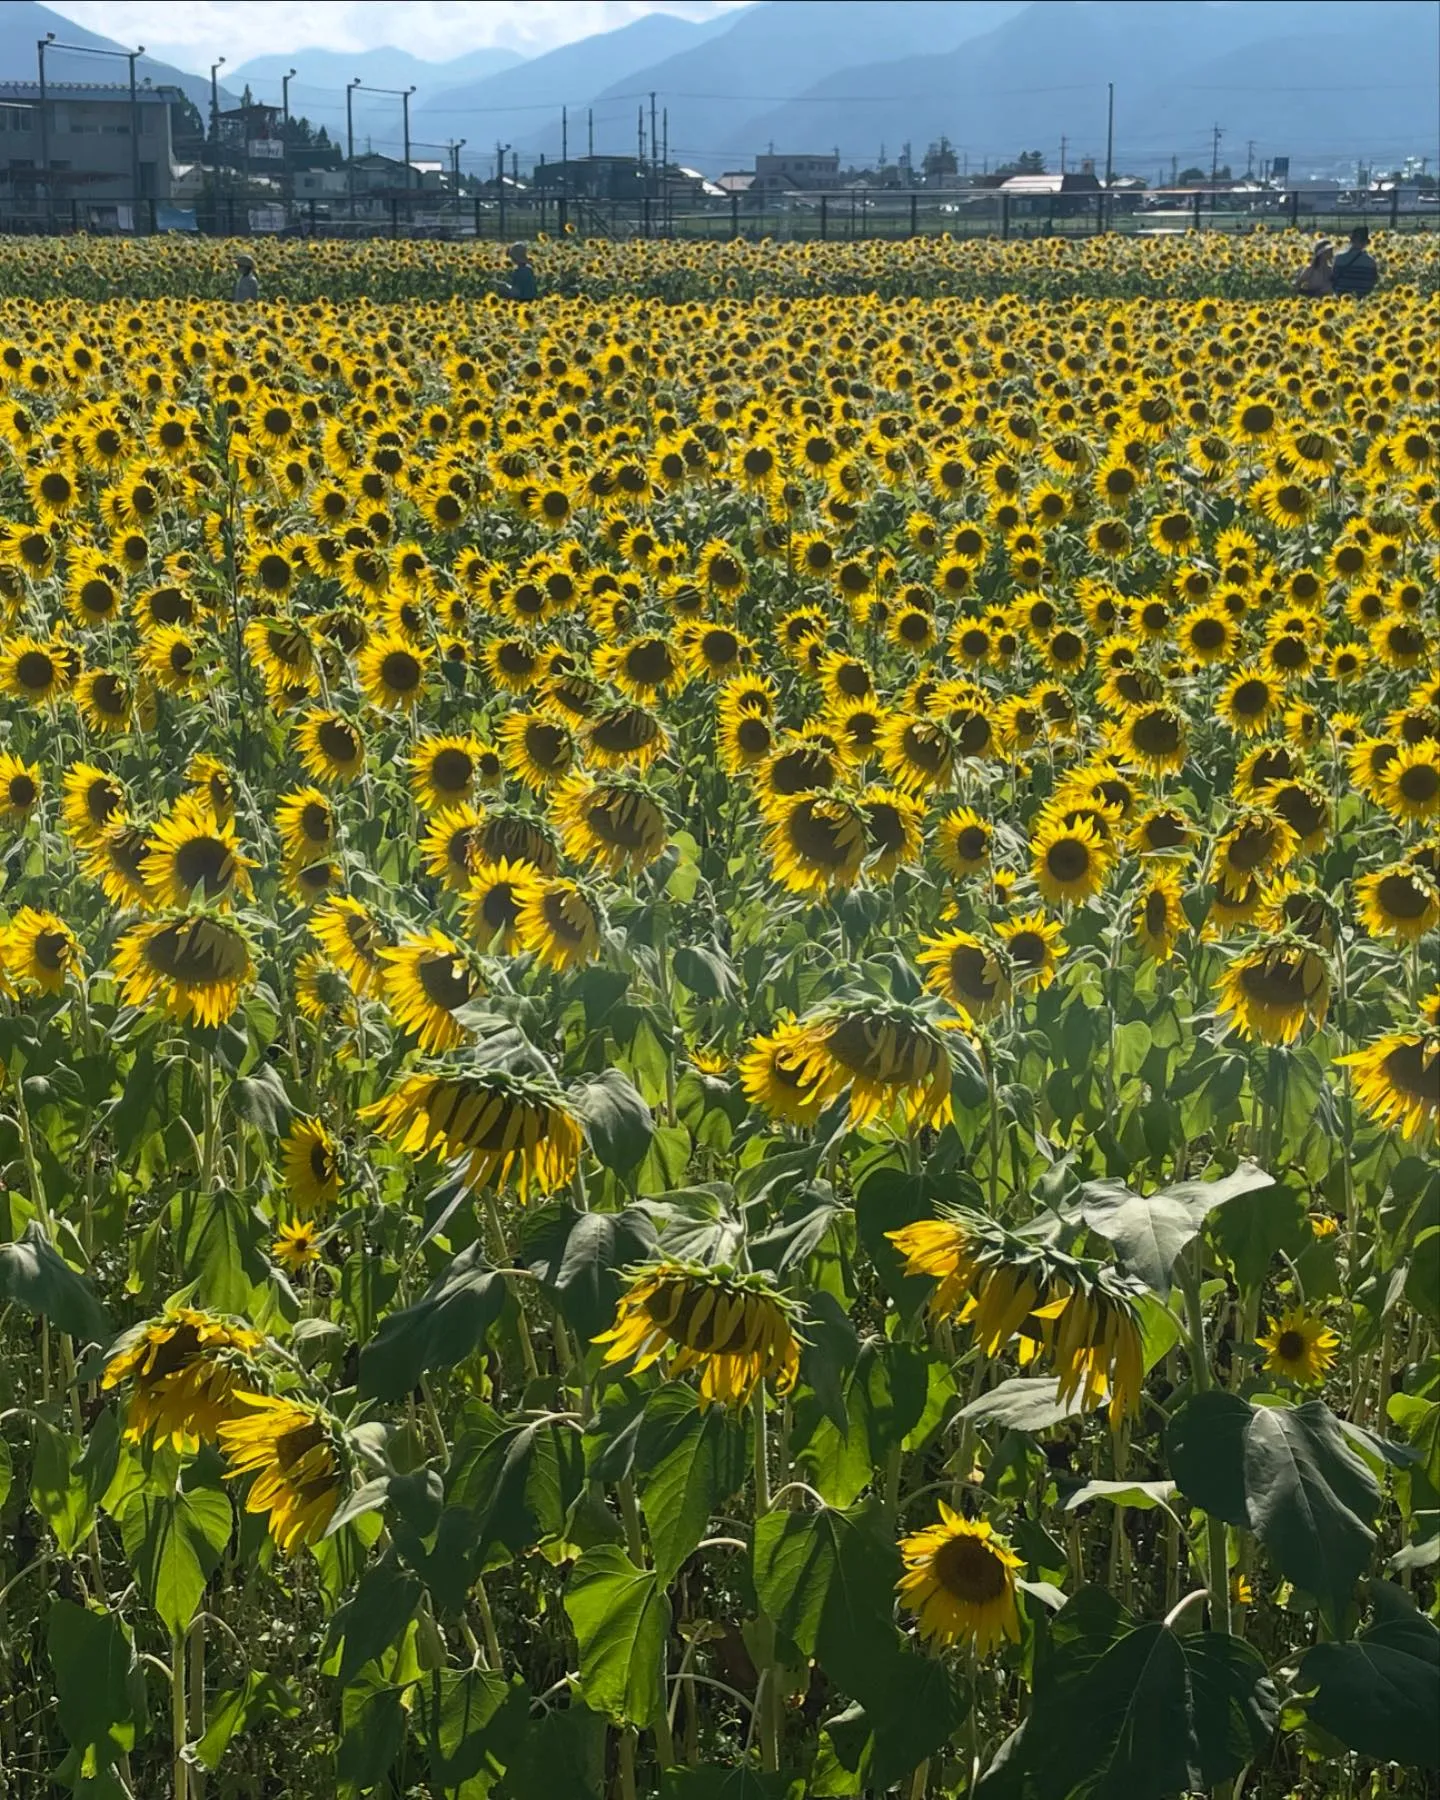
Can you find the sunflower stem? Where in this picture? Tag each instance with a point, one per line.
(177, 1715)
(1217, 1557)
(487, 1626)
(209, 1137)
(196, 1714)
(762, 1457)
(503, 1259)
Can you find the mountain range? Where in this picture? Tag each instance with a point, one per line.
(1327, 84)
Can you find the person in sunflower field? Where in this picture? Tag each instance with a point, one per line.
(523, 283)
(247, 283)
(1354, 271)
(1317, 278)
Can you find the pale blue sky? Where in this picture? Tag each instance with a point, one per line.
(191, 35)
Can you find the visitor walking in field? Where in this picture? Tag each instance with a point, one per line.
(523, 283)
(1355, 271)
(247, 282)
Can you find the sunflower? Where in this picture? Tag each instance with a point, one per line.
(893, 829)
(1160, 831)
(1159, 916)
(1154, 737)
(32, 670)
(1409, 784)
(537, 749)
(967, 972)
(194, 858)
(736, 1329)
(744, 740)
(1271, 991)
(21, 785)
(916, 754)
(643, 667)
(427, 980)
(296, 1245)
(39, 950)
(445, 771)
(493, 903)
(1255, 846)
(351, 935)
(1248, 700)
(1300, 1346)
(392, 671)
(614, 822)
(1078, 1314)
(1070, 862)
(497, 1124)
(1032, 943)
(881, 1055)
(772, 1076)
(184, 1369)
(292, 1452)
(311, 1170)
(816, 842)
(1397, 1080)
(963, 843)
(508, 835)
(1398, 902)
(331, 748)
(196, 964)
(450, 846)
(959, 1581)
(618, 736)
(305, 819)
(559, 923)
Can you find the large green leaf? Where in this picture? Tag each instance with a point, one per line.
(174, 1540)
(1255, 1227)
(235, 1709)
(100, 1692)
(617, 1121)
(516, 1483)
(691, 1461)
(621, 1619)
(374, 1617)
(577, 1257)
(1205, 1447)
(1149, 1231)
(1380, 1694)
(1023, 1403)
(34, 1275)
(1311, 1500)
(220, 1245)
(1139, 1712)
(471, 1722)
(883, 1400)
(560, 1757)
(443, 1327)
(826, 1579)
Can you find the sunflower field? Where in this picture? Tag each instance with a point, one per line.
(719, 1032)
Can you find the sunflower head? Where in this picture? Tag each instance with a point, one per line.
(959, 1581)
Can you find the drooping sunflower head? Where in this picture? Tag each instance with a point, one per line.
(494, 1124)
(972, 975)
(354, 939)
(1271, 991)
(1257, 844)
(1159, 915)
(738, 1330)
(183, 1370)
(614, 822)
(816, 842)
(292, 1452)
(618, 737)
(193, 857)
(93, 800)
(882, 1054)
(1399, 902)
(773, 1075)
(1397, 1080)
(39, 951)
(195, 964)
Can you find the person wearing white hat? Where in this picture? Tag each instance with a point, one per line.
(1317, 278)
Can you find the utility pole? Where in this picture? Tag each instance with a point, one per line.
(589, 131)
(286, 187)
(1063, 142)
(215, 138)
(1216, 133)
(405, 130)
(1109, 135)
(1174, 171)
(1249, 157)
(564, 149)
(134, 138)
(640, 136)
(42, 45)
(350, 144)
(654, 141)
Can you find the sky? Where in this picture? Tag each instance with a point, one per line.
(192, 35)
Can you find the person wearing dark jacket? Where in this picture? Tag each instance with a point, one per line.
(1354, 271)
(523, 283)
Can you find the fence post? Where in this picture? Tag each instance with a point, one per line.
(1198, 215)
(394, 217)
(1395, 206)
(477, 218)
(646, 215)
(1294, 209)
(824, 216)
(914, 215)
(734, 215)
(154, 226)
(74, 216)
(1004, 216)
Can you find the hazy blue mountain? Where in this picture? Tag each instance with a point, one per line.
(521, 106)
(1323, 84)
(321, 76)
(782, 48)
(24, 22)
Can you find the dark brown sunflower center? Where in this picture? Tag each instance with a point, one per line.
(1251, 847)
(1157, 912)
(969, 1570)
(446, 981)
(1402, 897)
(1157, 733)
(970, 972)
(1420, 782)
(400, 671)
(22, 791)
(1290, 1346)
(624, 730)
(322, 1163)
(1165, 831)
(650, 663)
(338, 741)
(547, 746)
(1281, 981)
(206, 862)
(109, 694)
(1067, 859)
(753, 736)
(197, 952)
(34, 670)
(1250, 697)
(820, 835)
(451, 771)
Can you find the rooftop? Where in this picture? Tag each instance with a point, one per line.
(145, 93)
